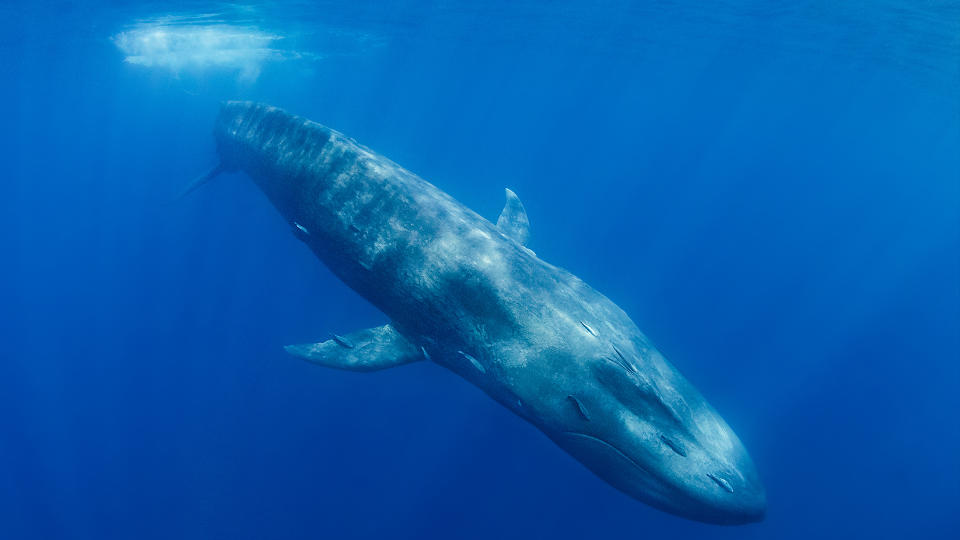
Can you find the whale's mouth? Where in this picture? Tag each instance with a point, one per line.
(609, 446)
(621, 470)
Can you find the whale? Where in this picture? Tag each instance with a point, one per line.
(466, 293)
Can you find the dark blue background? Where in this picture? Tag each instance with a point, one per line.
(770, 189)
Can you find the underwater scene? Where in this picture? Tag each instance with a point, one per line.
(480, 270)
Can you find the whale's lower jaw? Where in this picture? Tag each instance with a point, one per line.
(631, 477)
(590, 439)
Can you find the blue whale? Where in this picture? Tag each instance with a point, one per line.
(466, 293)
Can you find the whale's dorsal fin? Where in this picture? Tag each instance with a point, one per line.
(366, 350)
(513, 220)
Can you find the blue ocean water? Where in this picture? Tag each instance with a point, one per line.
(770, 189)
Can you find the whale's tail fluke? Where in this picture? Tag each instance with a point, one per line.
(201, 180)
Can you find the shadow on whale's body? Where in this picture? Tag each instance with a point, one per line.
(467, 294)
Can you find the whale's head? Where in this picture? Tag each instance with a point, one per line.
(632, 419)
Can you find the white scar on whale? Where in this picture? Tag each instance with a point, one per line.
(466, 294)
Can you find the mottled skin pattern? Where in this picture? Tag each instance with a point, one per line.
(461, 292)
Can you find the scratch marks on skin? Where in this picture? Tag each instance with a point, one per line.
(476, 363)
(721, 482)
(426, 355)
(676, 447)
(581, 410)
(480, 234)
(343, 342)
(619, 359)
(589, 328)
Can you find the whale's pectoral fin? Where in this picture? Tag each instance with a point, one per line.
(367, 350)
(513, 220)
(200, 181)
